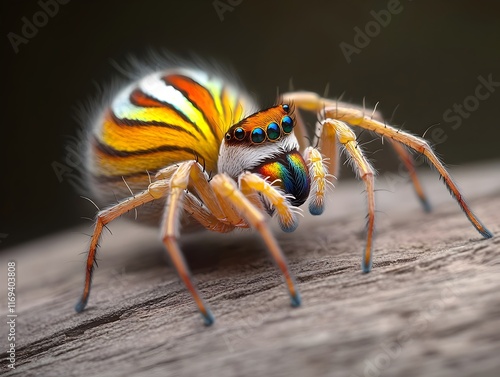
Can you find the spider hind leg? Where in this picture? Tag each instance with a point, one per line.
(155, 190)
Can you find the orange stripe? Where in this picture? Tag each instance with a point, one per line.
(201, 98)
(139, 98)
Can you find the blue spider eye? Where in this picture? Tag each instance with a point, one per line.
(287, 124)
(258, 135)
(286, 108)
(273, 131)
(239, 133)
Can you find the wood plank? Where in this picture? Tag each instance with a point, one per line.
(429, 307)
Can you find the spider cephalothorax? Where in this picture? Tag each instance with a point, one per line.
(171, 120)
(264, 143)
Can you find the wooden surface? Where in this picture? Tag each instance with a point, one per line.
(430, 307)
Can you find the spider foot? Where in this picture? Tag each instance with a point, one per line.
(296, 300)
(366, 267)
(80, 305)
(208, 318)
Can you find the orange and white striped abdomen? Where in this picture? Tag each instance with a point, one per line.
(164, 118)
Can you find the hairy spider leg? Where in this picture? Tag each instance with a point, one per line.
(155, 191)
(226, 186)
(421, 146)
(409, 163)
(355, 117)
(222, 209)
(320, 179)
(312, 102)
(186, 173)
(363, 169)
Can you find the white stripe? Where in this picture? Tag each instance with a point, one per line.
(121, 105)
(154, 87)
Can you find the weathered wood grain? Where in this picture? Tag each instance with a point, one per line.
(430, 307)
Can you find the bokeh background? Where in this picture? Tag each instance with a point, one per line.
(426, 59)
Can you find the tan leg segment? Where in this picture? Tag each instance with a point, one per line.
(252, 183)
(200, 213)
(355, 117)
(156, 190)
(320, 179)
(231, 214)
(224, 185)
(348, 139)
(300, 132)
(407, 159)
(327, 144)
(170, 232)
(419, 145)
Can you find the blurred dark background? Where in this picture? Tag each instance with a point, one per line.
(427, 58)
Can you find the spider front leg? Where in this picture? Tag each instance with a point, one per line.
(223, 213)
(249, 182)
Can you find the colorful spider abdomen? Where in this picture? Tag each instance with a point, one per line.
(166, 117)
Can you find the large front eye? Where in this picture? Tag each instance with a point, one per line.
(287, 124)
(258, 135)
(273, 131)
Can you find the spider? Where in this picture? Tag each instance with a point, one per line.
(217, 163)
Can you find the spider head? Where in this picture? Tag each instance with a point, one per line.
(264, 143)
